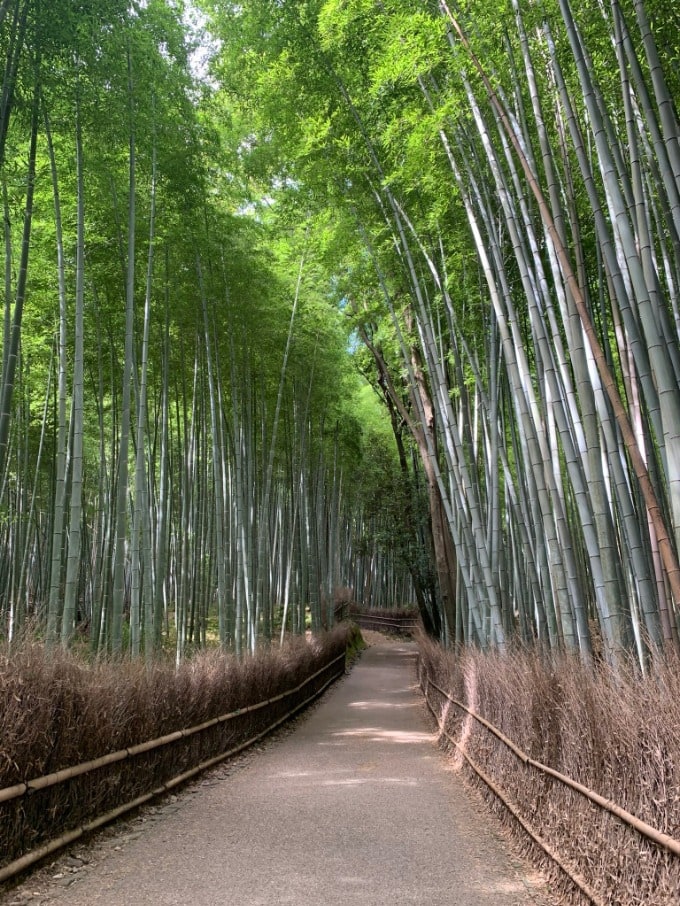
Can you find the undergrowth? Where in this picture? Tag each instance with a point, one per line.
(617, 733)
(355, 644)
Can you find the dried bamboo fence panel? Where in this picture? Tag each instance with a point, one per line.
(584, 867)
(81, 798)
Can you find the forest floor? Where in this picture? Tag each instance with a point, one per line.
(352, 803)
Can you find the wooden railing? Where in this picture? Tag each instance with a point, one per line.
(400, 625)
(670, 844)
(269, 717)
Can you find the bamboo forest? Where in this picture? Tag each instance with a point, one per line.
(329, 300)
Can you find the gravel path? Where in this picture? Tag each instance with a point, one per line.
(355, 806)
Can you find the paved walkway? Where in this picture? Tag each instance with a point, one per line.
(356, 806)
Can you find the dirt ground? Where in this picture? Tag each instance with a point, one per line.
(352, 803)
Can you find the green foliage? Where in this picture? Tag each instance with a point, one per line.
(341, 223)
(231, 229)
(355, 645)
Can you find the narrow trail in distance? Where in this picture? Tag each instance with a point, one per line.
(356, 806)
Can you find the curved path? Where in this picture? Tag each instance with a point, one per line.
(356, 806)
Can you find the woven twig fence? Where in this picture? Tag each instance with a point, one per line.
(586, 887)
(79, 799)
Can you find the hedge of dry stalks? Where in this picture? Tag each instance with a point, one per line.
(56, 712)
(616, 733)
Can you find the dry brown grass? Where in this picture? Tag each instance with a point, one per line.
(616, 733)
(56, 712)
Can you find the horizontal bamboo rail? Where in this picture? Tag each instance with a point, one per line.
(400, 624)
(48, 780)
(642, 827)
(65, 839)
(573, 875)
